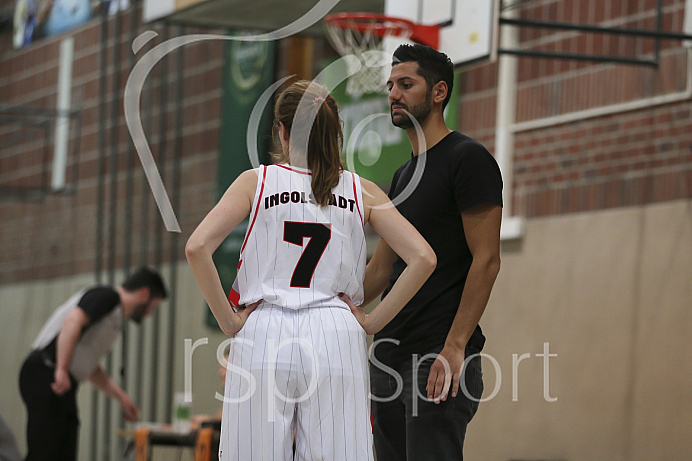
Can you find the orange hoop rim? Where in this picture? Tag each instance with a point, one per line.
(382, 25)
(379, 24)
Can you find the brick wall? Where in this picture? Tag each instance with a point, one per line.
(635, 158)
(628, 158)
(624, 159)
(57, 235)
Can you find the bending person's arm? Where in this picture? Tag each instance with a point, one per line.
(101, 381)
(234, 206)
(67, 340)
(406, 241)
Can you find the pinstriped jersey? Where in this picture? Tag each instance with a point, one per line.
(297, 253)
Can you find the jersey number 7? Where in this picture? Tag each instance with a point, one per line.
(319, 235)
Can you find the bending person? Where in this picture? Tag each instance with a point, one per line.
(68, 350)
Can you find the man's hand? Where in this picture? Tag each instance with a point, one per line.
(130, 410)
(105, 384)
(445, 371)
(62, 382)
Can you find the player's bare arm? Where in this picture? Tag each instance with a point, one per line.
(482, 229)
(101, 381)
(68, 337)
(378, 271)
(234, 206)
(405, 240)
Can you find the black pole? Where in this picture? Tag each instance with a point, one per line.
(659, 27)
(175, 255)
(143, 260)
(113, 211)
(577, 57)
(129, 187)
(127, 238)
(77, 127)
(159, 230)
(644, 33)
(100, 196)
(114, 154)
(47, 142)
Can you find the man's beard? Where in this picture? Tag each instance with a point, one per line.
(138, 312)
(420, 112)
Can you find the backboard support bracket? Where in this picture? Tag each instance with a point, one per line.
(656, 34)
(41, 118)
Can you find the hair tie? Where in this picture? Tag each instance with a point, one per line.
(317, 98)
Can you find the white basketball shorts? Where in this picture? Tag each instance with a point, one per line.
(302, 372)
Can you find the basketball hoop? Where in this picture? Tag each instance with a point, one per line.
(358, 33)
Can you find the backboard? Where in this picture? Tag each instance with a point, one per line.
(468, 28)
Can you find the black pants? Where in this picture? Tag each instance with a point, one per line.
(53, 420)
(407, 427)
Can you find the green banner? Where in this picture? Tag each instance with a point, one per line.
(248, 72)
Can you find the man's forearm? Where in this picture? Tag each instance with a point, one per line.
(101, 381)
(479, 284)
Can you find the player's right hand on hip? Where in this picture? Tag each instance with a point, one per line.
(62, 382)
(244, 313)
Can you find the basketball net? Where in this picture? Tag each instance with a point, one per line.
(363, 36)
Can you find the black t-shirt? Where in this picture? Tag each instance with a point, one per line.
(459, 173)
(97, 302)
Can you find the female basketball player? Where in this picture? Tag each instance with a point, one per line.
(298, 360)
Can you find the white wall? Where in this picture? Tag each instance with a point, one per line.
(611, 292)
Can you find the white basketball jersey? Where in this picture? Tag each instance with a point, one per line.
(296, 253)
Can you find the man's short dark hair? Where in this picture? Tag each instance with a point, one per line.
(146, 277)
(434, 66)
